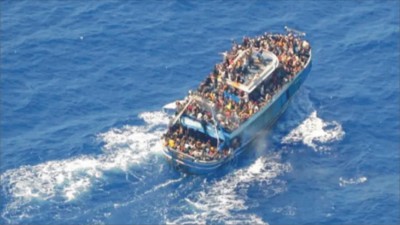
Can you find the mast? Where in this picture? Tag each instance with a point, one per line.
(181, 112)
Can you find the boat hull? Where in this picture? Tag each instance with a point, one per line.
(248, 131)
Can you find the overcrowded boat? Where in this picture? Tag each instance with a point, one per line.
(242, 96)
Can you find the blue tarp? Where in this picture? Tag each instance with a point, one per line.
(196, 125)
(231, 96)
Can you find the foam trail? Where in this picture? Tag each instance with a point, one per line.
(314, 132)
(123, 148)
(225, 200)
(168, 182)
(344, 182)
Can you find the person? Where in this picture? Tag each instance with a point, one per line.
(171, 143)
(199, 116)
(165, 141)
(182, 147)
(262, 90)
(212, 152)
(293, 53)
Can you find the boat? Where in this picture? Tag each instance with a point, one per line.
(244, 95)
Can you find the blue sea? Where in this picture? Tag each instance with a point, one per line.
(82, 88)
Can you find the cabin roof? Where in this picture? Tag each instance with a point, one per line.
(257, 76)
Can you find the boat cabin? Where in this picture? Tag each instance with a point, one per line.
(264, 65)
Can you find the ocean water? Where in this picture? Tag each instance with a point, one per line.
(83, 84)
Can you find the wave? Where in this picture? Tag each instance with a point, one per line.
(344, 182)
(66, 179)
(288, 210)
(224, 201)
(315, 133)
(163, 185)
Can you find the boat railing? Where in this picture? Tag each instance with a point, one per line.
(185, 155)
(181, 153)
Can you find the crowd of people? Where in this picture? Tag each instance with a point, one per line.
(194, 144)
(228, 106)
(198, 111)
(234, 106)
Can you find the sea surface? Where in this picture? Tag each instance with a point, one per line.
(83, 84)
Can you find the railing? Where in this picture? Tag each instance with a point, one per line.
(181, 153)
(178, 153)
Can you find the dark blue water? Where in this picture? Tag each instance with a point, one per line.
(83, 83)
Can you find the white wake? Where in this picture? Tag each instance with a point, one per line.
(315, 133)
(224, 201)
(123, 148)
(352, 181)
